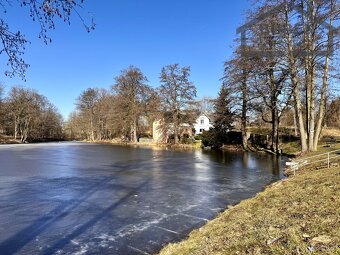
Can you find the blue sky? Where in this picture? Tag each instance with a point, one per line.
(145, 33)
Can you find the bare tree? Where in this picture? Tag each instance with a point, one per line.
(236, 78)
(269, 75)
(132, 94)
(318, 40)
(288, 39)
(31, 116)
(76, 126)
(206, 105)
(87, 103)
(176, 92)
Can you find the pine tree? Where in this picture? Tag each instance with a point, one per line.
(223, 117)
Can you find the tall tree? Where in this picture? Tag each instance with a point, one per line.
(310, 49)
(223, 116)
(132, 94)
(45, 13)
(1, 107)
(332, 15)
(223, 119)
(176, 92)
(269, 74)
(237, 71)
(295, 40)
(86, 103)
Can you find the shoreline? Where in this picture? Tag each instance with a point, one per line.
(193, 146)
(145, 144)
(261, 225)
(266, 236)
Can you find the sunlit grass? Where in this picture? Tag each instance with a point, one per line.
(299, 215)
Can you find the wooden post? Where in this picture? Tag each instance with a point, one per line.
(328, 159)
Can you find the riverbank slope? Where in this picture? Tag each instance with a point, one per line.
(8, 140)
(298, 215)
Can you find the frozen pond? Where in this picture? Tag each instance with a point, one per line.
(77, 198)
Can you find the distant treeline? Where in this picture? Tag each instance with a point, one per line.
(29, 116)
(128, 109)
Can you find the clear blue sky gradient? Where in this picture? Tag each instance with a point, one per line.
(145, 33)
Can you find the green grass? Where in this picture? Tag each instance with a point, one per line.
(292, 148)
(295, 149)
(299, 215)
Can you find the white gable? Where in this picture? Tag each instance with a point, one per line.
(202, 124)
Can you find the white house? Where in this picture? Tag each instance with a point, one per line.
(203, 123)
(160, 135)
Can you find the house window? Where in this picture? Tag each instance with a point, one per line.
(202, 121)
(201, 130)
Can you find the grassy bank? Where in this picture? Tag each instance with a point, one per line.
(195, 145)
(299, 215)
(8, 140)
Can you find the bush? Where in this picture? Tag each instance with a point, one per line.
(210, 138)
(233, 137)
(199, 136)
(259, 140)
(216, 139)
(186, 139)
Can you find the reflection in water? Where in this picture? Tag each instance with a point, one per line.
(245, 160)
(85, 198)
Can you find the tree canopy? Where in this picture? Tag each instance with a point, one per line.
(176, 92)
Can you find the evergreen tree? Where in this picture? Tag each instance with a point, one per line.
(223, 119)
(223, 116)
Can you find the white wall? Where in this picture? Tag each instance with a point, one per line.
(202, 123)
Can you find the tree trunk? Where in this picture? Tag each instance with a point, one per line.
(24, 130)
(134, 131)
(176, 128)
(295, 124)
(244, 112)
(15, 128)
(274, 111)
(277, 134)
(295, 84)
(275, 131)
(91, 127)
(307, 63)
(322, 105)
(311, 59)
(312, 114)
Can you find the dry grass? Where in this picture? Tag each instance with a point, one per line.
(299, 215)
(318, 159)
(331, 132)
(4, 139)
(291, 148)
